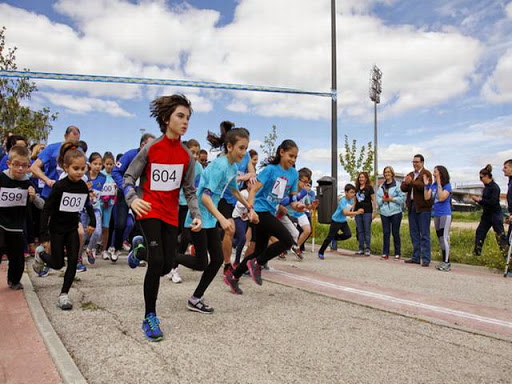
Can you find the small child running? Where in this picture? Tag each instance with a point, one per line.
(60, 217)
(339, 219)
(16, 192)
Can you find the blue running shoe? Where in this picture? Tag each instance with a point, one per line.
(151, 328)
(44, 272)
(81, 268)
(321, 256)
(137, 248)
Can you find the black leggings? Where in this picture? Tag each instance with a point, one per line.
(60, 241)
(161, 241)
(268, 226)
(12, 243)
(333, 234)
(206, 241)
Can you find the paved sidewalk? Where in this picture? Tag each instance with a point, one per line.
(24, 358)
(279, 333)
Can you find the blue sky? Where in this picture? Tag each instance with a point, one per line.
(447, 72)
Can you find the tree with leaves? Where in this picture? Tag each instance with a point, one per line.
(15, 117)
(354, 163)
(269, 145)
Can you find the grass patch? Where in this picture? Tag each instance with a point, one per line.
(90, 306)
(462, 242)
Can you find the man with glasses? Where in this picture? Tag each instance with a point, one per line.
(419, 211)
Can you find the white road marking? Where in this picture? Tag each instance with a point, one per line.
(396, 300)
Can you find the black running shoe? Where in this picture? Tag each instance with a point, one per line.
(255, 271)
(232, 282)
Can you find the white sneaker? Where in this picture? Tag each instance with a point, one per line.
(174, 276)
(64, 302)
(143, 263)
(114, 256)
(105, 255)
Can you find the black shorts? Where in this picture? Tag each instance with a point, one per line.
(225, 208)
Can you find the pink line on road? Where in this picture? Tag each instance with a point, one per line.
(454, 313)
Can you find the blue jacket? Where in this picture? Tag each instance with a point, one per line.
(122, 166)
(390, 208)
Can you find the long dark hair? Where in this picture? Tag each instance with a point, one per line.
(228, 135)
(286, 145)
(443, 173)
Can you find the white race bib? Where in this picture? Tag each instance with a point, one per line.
(13, 197)
(40, 183)
(166, 177)
(72, 202)
(109, 189)
(279, 187)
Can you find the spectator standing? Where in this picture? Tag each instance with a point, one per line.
(419, 211)
(365, 198)
(390, 200)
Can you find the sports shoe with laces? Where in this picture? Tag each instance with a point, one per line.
(367, 252)
(114, 255)
(126, 246)
(298, 254)
(38, 264)
(91, 257)
(199, 306)
(255, 271)
(64, 302)
(232, 282)
(228, 268)
(445, 267)
(174, 276)
(105, 255)
(151, 327)
(360, 252)
(321, 256)
(44, 272)
(81, 268)
(137, 247)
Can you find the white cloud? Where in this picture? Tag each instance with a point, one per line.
(269, 43)
(316, 155)
(508, 10)
(498, 87)
(81, 105)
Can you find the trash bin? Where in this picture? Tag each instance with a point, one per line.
(327, 197)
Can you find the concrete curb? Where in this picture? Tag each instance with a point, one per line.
(67, 368)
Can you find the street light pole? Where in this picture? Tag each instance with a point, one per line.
(334, 102)
(375, 91)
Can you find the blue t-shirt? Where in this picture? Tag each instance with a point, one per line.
(198, 168)
(51, 169)
(97, 187)
(218, 176)
(3, 162)
(338, 215)
(242, 167)
(442, 208)
(277, 183)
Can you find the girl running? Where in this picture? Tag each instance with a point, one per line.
(273, 183)
(108, 199)
(60, 217)
(163, 166)
(217, 177)
(95, 182)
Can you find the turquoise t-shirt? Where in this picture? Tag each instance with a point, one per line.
(277, 183)
(198, 168)
(242, 166)
(338, 215)
(218, 176)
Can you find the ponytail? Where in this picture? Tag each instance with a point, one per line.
(286, 145)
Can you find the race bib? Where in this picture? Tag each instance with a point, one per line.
(109, 189)
(166, 177)
(72, 202)
(40, 183)
(279, 187)
(13, 197)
